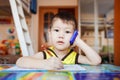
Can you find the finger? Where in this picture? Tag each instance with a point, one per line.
(59, 65)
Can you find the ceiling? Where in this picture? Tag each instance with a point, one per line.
(86, 7)
(103, 6)
(5, 10)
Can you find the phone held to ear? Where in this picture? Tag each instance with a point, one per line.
(73, 37)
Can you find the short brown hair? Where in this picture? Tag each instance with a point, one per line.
(66, 17)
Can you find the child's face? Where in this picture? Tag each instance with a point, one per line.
(61, 33)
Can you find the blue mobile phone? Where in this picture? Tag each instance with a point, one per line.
(73, 37)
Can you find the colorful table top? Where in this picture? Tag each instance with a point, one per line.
(101, 72)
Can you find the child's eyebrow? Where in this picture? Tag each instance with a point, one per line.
(55, 27)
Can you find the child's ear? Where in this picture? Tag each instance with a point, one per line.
(49, 29)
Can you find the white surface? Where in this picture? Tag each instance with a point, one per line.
(66, 68)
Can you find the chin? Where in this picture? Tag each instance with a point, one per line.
(61, 48)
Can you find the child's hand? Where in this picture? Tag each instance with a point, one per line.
(53, 63)
(77, 40)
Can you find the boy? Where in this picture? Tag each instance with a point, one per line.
(61, 52)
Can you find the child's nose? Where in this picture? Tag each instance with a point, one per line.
(61, 35)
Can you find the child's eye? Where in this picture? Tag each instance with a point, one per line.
(67, 32)
(56, 30)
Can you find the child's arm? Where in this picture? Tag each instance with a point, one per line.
(91, 57)
(37, 61)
